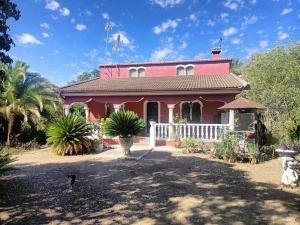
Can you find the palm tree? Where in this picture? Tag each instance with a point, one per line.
(23, 94)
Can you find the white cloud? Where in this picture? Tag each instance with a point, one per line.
(200, 55)
(211, 23)
(282, 35)
(263, 44)
(299, 15)
(25, 38)
(230, 31)
(260, 31)
(250, 52)
(193, 17)
(224, 15)
(45, 35)
(236, 41)
(249, 20)
(64, 12)
(80, 27)
(92, 54)
(72, 20)
(183, 45)
(253, 2)
(167, 3)
(286, 11)
(172, 24)
(52, 5)
(233, 4)
(45, 25)
(105, 16)
(162, 53)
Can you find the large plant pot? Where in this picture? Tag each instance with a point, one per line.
(126, 144)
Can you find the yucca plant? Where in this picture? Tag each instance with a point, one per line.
(124, 124)
(68, 135)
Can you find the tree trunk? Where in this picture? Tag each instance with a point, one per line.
(9, 128)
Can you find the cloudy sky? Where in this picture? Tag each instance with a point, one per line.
(62, 38)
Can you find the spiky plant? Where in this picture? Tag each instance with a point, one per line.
(124, 124)
(68, 135)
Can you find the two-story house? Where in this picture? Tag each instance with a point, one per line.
(159, 91)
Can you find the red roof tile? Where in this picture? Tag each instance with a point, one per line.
(242, 103)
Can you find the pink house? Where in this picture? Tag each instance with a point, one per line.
(159, 91)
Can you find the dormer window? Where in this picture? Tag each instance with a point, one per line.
(190, 70)
(185, 70)
(141, 72)
(180, 71)
(136, 72)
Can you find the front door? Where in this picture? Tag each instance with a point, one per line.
(152, 113)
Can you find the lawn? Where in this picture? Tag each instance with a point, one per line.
(165, 187)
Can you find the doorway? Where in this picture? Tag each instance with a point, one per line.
(152, 114)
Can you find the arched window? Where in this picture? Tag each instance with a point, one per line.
(180, 71)
(189, 70)
(191, 111)
(141, 72)
(133, 72)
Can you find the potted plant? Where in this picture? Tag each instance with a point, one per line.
(126, 125)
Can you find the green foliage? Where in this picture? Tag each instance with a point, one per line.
(5, 160)
(78, 109)
(87, 76)
(191, 145)
(254, 152)
(124, 124)
(236, 66)
(25, 97)
(274, 77)
(68, 135)
(228, 148)
(8, 10)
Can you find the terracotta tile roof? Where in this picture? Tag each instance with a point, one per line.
(167, 62)
(152, 84)
(242, 103)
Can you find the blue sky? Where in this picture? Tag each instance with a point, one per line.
(62, 38)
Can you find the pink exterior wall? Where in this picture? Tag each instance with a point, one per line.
(219, 67)
(211, 103)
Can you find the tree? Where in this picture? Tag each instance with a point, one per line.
(274, 77)
(87, 76)
(8, 10)
(25, 94)
(236, 66)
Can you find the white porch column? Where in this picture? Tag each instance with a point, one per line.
(66, 109)
(117, 107)
(87, 112)
(152, 134)
(231, 119)
(171, 121)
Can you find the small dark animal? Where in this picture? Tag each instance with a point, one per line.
(73, 178)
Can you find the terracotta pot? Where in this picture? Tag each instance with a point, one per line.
(249, 134)
(126, 144)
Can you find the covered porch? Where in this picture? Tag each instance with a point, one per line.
(166, 117)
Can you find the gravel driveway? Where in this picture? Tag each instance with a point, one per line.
(165, 187)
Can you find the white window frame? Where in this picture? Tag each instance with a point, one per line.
(185, 67)
(197, 101)
(137, 70)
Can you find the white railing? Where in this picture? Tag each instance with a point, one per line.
(205, 132)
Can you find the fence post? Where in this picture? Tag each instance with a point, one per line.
(152, 134)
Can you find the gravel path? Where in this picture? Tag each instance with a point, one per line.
(166, 187)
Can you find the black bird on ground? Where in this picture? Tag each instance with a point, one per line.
(73, 178)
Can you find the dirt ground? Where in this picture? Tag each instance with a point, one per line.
(165, 187)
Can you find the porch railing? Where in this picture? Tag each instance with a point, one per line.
(205, 132)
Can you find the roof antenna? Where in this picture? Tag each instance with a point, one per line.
(220, 43)
(107, 28)
(116, 49)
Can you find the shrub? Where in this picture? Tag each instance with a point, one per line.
(5, 160)
(124, 124)
(228, 148)
(191, 145)
(254, 153)
(68, 135)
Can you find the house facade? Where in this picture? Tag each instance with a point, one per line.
(160, 91)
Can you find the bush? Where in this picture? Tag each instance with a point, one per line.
(191, 145)
(68, 135)
(228, 148)
(5, 160)
(124, 124)
(254, 153)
